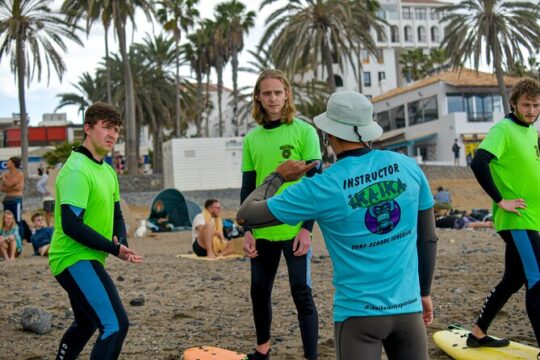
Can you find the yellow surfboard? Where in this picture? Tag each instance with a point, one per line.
(453, 342)
(211, 353)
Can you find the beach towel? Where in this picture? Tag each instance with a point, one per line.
(205, 258)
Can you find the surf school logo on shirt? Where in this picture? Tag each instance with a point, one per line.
(383, 212)
(286, 151)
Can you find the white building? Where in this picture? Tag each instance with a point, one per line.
(412, 24)
(210, 122)
(423, 118)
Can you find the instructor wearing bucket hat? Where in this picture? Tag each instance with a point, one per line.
(374, 209)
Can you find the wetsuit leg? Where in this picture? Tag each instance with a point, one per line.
(263, 272)
(96, 299)
(512, 280)
(528, 246)
(407, 339)
(300, 282)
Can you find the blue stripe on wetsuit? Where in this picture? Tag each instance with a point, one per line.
(92, 288)
(528, 259)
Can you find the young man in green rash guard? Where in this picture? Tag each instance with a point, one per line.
(88, 227)
(278, 137)
(507, 166)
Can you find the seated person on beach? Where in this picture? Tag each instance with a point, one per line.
(10, 240)
(443, 200)
(461, 221)
(159, 218)
(207, 232)
(42, 235)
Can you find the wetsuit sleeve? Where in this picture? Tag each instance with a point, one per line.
(308, 224)
(249, 179)
(119, 225)
(254, 211)
(426, 245)
(480, 168)
(74, 227)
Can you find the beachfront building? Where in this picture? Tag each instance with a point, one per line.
(424, 118)
(209, 126)
(412, 24)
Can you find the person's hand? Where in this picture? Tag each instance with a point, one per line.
(249, 245)
(427, 310)
(1, 240)
(292, 170)
(512, 205)
(127, 254)
(302, 242)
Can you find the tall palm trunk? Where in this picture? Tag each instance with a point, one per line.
(131, 131)
(359, 65)
(21, 69)
(177, 63)
(157, 163)
(219, 71)
(327, 58)
(207, 104)
(199, 104)
(234, 63)
(107, 65)
(499, 73)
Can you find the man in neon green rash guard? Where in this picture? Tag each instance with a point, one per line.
(278, 137)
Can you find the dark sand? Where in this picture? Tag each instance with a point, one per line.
(190, 303)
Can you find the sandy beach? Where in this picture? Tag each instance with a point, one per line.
(190, 302)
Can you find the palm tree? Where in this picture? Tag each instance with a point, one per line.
(239, 23)
(499, 29)
(29, 33)
(89, 90)
(92, 11)
(310, 33)
(122, 11)
(177, 15)
(194, 53)
(415, 64)
(219, 56)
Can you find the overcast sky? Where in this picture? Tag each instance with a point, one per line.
(41, 97)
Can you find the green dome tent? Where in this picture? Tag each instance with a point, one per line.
(179, 210)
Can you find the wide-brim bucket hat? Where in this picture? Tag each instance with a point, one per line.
(346, 110)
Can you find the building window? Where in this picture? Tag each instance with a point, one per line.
(422, 110)
(392, 119)
(382, 75)
(364, 55)
(397, 115)
(383, 119)
(479, 107)
(421, 34)
(367, 79)
(380, 56)
(381, 36)
(338, 80)
(435, 34)
(434, 14)
(408, 34)
(420, 13)
(407, 13)
(395, 33)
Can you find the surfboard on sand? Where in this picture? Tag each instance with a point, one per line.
(211, 353)
(453, 342)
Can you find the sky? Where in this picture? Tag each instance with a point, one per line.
(41, 96)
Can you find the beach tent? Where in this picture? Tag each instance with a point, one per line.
(180, 210)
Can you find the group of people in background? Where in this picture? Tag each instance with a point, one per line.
(374, 208)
